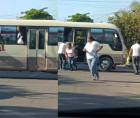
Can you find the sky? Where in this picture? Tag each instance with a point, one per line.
(99, 10)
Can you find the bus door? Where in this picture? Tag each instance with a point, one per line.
(80, 39)
(36, 49)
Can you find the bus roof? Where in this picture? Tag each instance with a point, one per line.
(54, 23)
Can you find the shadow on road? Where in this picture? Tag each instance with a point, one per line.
(119, 68)
(28, 75)
(73, 104)
(120, 81)
(26, 112)
(7, 92)
(65, 80)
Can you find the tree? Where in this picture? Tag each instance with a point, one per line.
(135, 6)
(128, 22)
(80, 18)
(36, 14)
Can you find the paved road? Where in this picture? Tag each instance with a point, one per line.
(28, 98)
(117, 89)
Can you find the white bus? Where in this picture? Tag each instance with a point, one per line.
(37, 49)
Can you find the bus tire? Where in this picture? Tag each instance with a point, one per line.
(105, 63)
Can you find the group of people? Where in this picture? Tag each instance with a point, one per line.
(67, 54)
(92, 48)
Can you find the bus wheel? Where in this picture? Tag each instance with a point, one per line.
(105, 63)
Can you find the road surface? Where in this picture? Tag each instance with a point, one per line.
(118, 89)
(28, 97)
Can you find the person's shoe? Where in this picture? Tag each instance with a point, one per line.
(136, 73)
(96, 77)
(71, 69)
(75, 67)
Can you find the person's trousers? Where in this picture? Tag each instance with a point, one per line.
(93, 66)
(72, 62)
(136, 63)
(62, 61)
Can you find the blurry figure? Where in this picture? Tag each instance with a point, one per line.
(19, 37)
(135, 53)
(61, 54)
(91, 48)
(70, 57)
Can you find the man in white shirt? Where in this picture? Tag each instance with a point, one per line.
(61, 54)
(91, 48)
(135, 53)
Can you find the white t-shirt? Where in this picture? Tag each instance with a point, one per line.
(61, 48)
(70, 52)
(91, 48)
(135, 49)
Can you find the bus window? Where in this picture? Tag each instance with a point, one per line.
(60, 34)
(22, 32)
(98, 34)
(112, 38)
(80, 37)
(68, 34)
(8, 35)
(80, 40)
(41, 40)
(32, 39)
(55, 34)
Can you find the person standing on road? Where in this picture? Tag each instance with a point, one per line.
(91, 48)
(61, 54)
(135, 53)
(70, 55)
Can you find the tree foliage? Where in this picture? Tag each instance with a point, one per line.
(129, 23)
(36, 14)
(135, 6)
(80, 18)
